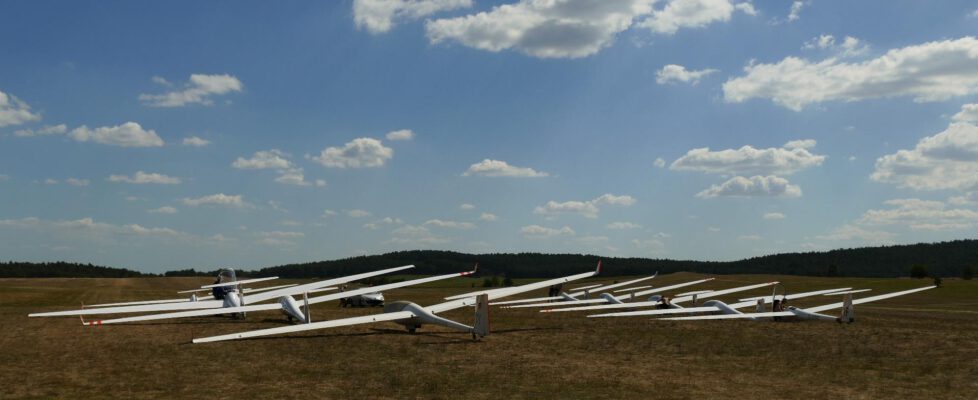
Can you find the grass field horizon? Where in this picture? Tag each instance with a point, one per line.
(916, 346)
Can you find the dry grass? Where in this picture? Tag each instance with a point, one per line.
(918, 346)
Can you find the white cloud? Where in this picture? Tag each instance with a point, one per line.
(92, 229)
(673, 73)
(849, 47)
(403, 134)
(691, 14)
(793, 157)
(358, 213)
(219, 199)
(541, 28)
(164, 210)
(466, 206)
(129, 134)
(659, 163)
(159, 80)
(587, 208)
(932, 71)
(379, 16)
(968, 113)
(329, 213)
(488, 217)
(920, 215)
(851, 232)
(449, 224)
(412, 235)
(969, 198)
(383, 221)
(773, 215)
(13, 111)
(195, 141)
(144, 177)
(59, 129)
(199, 90)
(358, 153)
(279, 238)
(51, 181)
(623, 225)
(755, 186)
(749, 237)
(270, 159)
(296, 176)
(320, 183)
(653, 246)
(77, 182)
(496, 168)
(540, 232)
(947, 160)
(795, 12)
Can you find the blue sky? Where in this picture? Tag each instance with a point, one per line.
(188, 134)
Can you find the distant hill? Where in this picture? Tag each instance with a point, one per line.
(940, 259)
(60, 269)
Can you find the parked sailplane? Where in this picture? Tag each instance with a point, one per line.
(581, 291)
(412, 316)
(611, 299)
(232, 298)
(286, 304)
(659, 301)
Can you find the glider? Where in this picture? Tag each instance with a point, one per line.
(234, 300)
(716, 305)
(584, 290)
(656, 301)
(810, 313)
(286, 304)
(610, 299)
(412, 316)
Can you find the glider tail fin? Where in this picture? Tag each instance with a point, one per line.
(848, 311)
(610, 299)
(481, 328)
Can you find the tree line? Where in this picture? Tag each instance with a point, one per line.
(947, 259)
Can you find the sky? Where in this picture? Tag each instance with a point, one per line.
(159, 136)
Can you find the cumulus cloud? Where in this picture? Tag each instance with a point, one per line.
(403, 134)
(59, 129)
(144, 177)
(195, 141)
(219, 199)
(279, 161)
(659, 162)
(920, 214)
(77, 182)
(673, 73)
(773, 215)
(488, 217)
(383, 221)
(540, 232)
(279, 238)
(358, 153)
(199, 90)
(414, 235)
(449, 224)
(851, 232)
(89, 228)
(129, 134)
(678, 14)
(947, 160)
(795, 13)
(793, 157)
(466, 206)
(653, 246)
(379, 16)
(13, 111)
(589, 208)
(849, 46)
(164, 210)
(968, 113)
(623, 225)
(755, 186)
(546, 29)
(496, 168)
(969, 198)
(358, 213)
(932, 71)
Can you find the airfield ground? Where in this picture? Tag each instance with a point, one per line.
(918, 346)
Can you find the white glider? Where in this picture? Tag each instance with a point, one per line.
(810, 313)
(205, 304)
(412, 316)
(606, 298)
(716, 305)
(581, 291)
(657, 302)
(286, 304)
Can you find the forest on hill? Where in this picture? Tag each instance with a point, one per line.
(944, 259)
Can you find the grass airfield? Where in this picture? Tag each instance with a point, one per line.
(923, 345)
